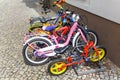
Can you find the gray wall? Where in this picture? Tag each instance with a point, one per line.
(108, 32)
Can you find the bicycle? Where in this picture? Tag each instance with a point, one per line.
(42, 48)
(39, 22)
(90, 53)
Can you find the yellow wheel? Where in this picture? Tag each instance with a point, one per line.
(55, 67)
(101, 54)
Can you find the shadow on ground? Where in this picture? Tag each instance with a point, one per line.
(35, 4)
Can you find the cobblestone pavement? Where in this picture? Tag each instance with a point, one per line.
(13, 21)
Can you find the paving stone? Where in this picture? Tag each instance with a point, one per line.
(2, 78)
(92, 79)
(102, 76)
(6, 79)
(17, 79)
(107, 78)
(79, 77)
(111, 77)
(83, 77)
(21, 72)
(93, 75)
(98, 79)
(115, 78)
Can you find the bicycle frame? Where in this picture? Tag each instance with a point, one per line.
(84, 54)
(46, 50)
(63, 31)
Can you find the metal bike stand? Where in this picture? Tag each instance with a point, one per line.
(79, 69)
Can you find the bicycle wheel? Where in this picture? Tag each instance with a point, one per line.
(101, 54)
(93, 36)
(55, 67)
(80, 43)
(29, 53)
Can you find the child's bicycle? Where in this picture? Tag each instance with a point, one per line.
(47, 31)
(39, 50)
(90, 53)
(42, 27)
(39, 22)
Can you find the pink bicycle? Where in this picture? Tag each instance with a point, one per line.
(39, 50)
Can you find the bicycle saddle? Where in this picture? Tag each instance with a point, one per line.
(44, 20)
(49, 28)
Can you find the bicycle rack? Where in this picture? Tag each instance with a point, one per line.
(82, 70)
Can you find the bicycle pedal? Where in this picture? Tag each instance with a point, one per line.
(58, 55)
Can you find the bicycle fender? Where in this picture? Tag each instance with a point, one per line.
(37, 37)
(74, 38)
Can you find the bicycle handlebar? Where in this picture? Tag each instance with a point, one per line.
(58, 3)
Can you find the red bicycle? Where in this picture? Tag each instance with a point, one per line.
(90, 53)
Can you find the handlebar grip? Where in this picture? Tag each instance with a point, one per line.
(59, 2)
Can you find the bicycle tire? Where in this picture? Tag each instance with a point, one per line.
(26, 57)
(82, 43)
(102, 53)
(54, 64)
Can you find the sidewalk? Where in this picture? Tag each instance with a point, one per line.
(13, 25)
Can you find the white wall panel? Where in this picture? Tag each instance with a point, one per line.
(109, 9)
